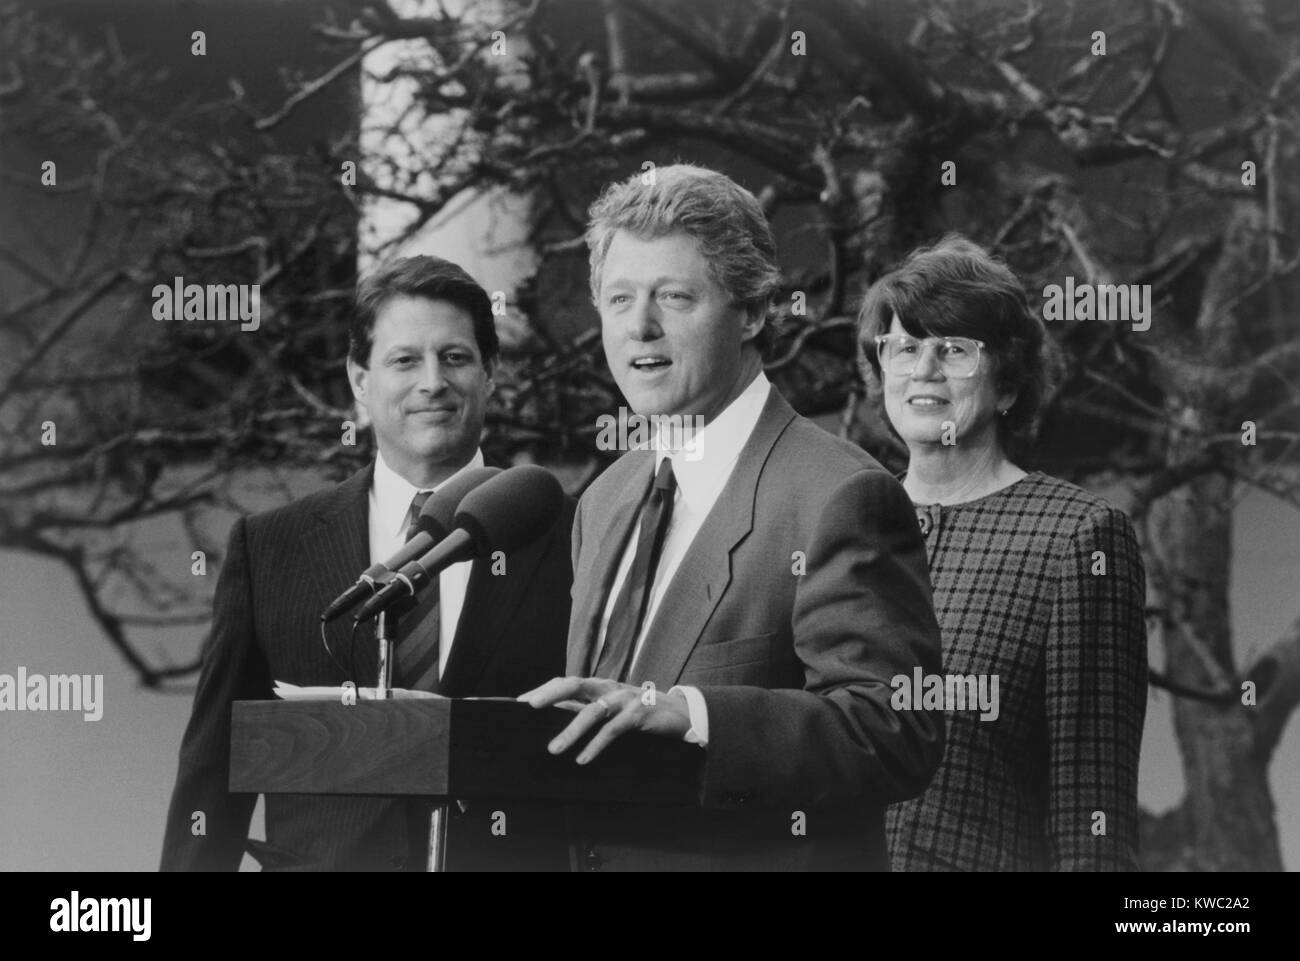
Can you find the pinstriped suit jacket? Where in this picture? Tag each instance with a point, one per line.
(794, 667)
(281, 569)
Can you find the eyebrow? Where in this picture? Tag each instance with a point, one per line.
(655, 281)
(412, 349)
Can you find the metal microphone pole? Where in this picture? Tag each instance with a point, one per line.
(386, 634)
(438, 838)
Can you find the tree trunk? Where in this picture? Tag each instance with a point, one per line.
(1228, 808)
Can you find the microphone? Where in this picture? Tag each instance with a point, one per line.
(435, 521)
(507, 513)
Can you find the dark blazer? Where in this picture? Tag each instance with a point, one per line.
(803, 594)
(282, 568)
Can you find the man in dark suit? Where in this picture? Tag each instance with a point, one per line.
(748, 582)
(422, 350)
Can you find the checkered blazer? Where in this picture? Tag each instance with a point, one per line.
(1016, 596)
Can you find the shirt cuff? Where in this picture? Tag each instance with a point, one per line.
(699, 715)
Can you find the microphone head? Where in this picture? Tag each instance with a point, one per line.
(438, 515)
(512, 510)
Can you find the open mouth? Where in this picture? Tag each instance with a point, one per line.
(926, 403)
(651, 363)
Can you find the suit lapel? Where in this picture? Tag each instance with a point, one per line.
(490, 602)
(593, 585)
(705, 571)
(338, 545)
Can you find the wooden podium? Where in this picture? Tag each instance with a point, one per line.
(446, 749)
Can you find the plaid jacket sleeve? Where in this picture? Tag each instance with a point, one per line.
(1096, 692)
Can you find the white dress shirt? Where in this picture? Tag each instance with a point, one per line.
(702, 471)
(390, 504)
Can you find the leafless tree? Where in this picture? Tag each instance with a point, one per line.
(109, 419)
(1113, 142)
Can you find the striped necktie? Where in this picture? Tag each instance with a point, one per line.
(417, 647)
(628, 615)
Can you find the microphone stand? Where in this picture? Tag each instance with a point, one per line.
(386, 633)
(438, 838)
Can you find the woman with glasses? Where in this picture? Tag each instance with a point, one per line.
(1038, 587)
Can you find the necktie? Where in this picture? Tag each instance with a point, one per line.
(628, 615)
(418, 628)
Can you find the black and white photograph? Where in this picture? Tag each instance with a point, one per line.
(604, 436)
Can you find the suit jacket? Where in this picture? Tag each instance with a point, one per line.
(803, 594)
(282, 568)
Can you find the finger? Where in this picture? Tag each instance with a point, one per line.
(574, 706)
(553, 691)
(627, 719)
(590, 716)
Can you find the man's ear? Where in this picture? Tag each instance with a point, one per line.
(491, 367)
(357, 380)
(754, 322)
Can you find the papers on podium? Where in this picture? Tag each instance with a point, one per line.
(292, 692)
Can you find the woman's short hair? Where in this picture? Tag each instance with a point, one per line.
(725, 219)
(956, 288)
(424, 276)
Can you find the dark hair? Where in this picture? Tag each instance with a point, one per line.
(424, 276)
(726, 220)
(956, 288)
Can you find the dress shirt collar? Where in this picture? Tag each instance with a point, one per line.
(702, 475)
(393, 494)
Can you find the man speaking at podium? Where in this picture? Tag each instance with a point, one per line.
(752, 590)
(422, 349)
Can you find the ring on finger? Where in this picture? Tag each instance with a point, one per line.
(604, 707)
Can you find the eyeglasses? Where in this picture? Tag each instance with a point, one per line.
(900, 353)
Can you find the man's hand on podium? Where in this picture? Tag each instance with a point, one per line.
(612, 708)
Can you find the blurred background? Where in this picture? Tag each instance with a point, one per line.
(292, 144)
